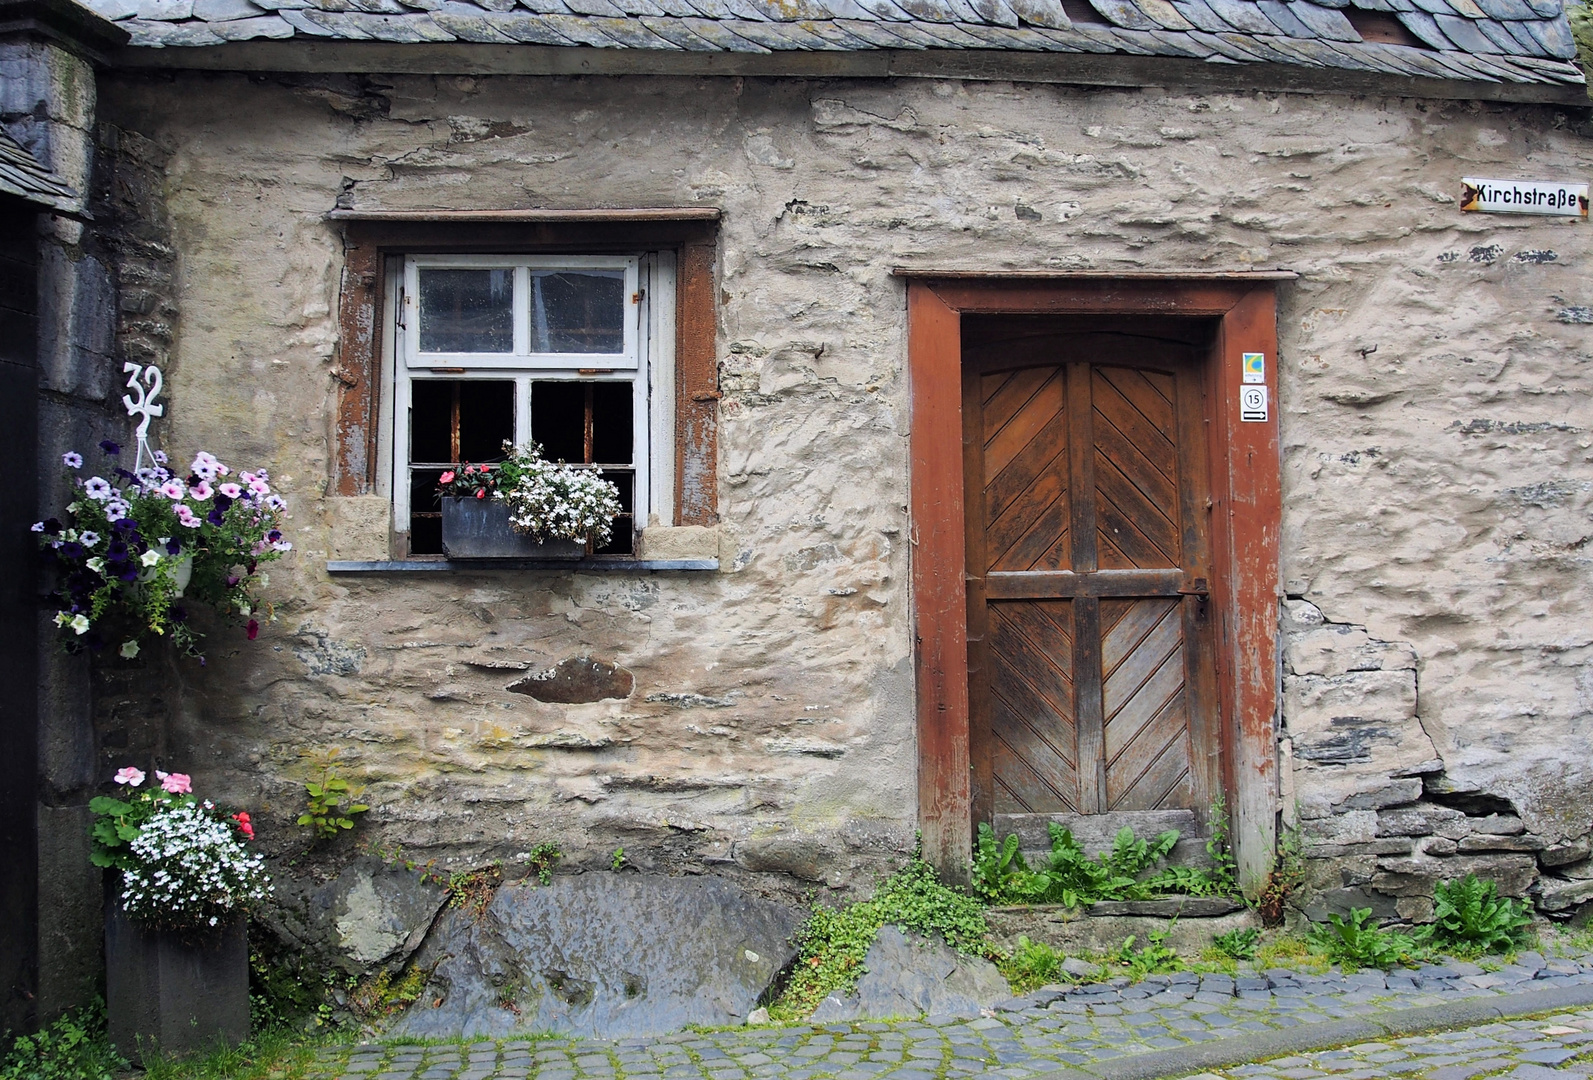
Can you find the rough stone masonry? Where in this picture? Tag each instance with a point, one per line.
(1435, 377)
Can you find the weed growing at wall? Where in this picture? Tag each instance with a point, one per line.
(1238, 944)
(834, 942)
(1001, 876)
(1031, 965)
(1471, 918)
(330, 800)
(1360, 942)
(1581, 16)
(72, 1048)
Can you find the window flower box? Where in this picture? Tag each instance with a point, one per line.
(480, 529)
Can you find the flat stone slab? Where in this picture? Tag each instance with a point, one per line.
(1178, 907)
(909, 976)
(604, 955)
(1074, 930)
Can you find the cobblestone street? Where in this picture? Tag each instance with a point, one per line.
(1064, 1027)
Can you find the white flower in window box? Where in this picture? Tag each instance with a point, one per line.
(526, 507)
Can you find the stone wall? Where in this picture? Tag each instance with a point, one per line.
(1434, 379)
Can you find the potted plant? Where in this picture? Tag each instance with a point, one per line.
(176, 939)
(137, 549)
(525, 507)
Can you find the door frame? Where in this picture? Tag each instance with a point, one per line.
(1246, 494)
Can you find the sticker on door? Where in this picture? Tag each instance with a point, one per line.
(1253, 404)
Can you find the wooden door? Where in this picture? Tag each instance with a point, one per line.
(1090, 647)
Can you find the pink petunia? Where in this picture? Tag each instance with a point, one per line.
(231, 491)
(259, 487)
(173, 490)
(130, 776)
(201, 490)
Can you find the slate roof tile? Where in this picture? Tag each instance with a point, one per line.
(883, 35)
(1425, 27)
(261, 26)
(22, 175)
(1042, 13)
(1199, 13)
(1554, 36)
(1472, 40)
(1284, 19)
(1165, 14)
(1223, 44)
(1243, 16)
(1325, 22)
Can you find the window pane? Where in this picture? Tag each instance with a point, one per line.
(425, 518)
(453, 421)
(578, 311)
(612, 430)
(431, 411)
(467, 311)
(624, 535)
(558, 419)
(486, 418)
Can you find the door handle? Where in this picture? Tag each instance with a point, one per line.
(1196, 587)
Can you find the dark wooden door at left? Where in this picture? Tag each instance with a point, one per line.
(1090, 642)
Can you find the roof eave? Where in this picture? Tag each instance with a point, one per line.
(1084, 69)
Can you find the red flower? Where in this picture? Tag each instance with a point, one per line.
(242, 818)
(254, 629)
(469, 469)
(446, 478)
(481, 493)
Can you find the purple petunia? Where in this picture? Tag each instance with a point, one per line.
(110, 447)
(72, 460)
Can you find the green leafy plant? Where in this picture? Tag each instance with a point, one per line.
(618, 859)
(1360, 942)
(1284, 878)
(1031, 965)
(541, 859)
(1001, 876)
(72, 1048)
(1470, 916)
(1155, 958)
(473, 890)
(330, 800)
(833, 942)
(1239, 944)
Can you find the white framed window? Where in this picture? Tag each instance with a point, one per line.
(573, 352)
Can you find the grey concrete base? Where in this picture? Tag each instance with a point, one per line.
(1262, 1045)
(1074, 931)
(169, 994)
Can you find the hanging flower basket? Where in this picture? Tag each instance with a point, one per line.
(136, 551)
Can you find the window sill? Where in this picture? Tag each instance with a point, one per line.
(593, 564)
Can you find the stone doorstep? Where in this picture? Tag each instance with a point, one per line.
(1074, 930)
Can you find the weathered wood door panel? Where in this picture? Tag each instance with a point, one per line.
(1090, 652)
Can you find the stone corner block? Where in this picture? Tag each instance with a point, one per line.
(680, 542)
(359, 526)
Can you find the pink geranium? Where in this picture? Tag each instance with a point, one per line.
(176, 783)
(130, 776)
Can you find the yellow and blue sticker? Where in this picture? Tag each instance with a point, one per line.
(1255, 367)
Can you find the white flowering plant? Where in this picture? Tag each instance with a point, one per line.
(137, 549)
(184, 864)
(554, 501)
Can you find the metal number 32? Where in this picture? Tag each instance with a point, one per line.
(146, 383)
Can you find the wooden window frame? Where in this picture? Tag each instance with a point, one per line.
(370, 238)
(1246, 493)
